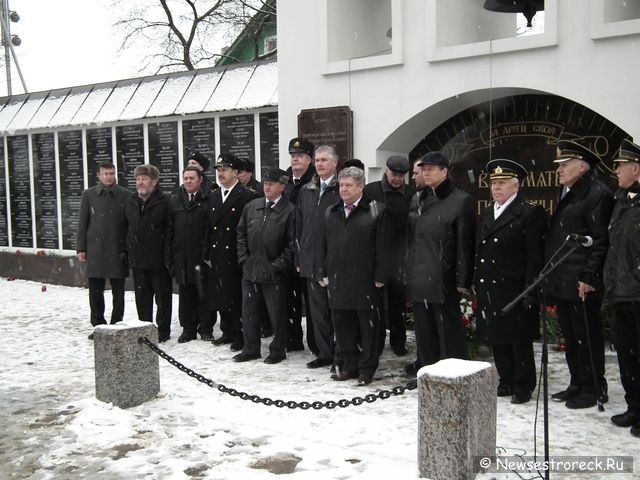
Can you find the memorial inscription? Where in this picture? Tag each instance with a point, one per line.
(130, 153)
(99, 149)
(45, 190)
(20, 191)
(71, 184)
(163, 153)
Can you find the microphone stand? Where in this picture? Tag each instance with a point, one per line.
(544, 273)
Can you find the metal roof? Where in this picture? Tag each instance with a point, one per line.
(217, 89)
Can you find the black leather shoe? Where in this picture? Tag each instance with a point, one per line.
(565, 395)
(163, 339)
(206, 337)
(273, 359)
(519, 398)
(222, 341)
(319, 362)
(186, 337)
(342, 376)
(411, 370)
(295, 347)
(582, 400)
(399, 350)
(364, 380)
(635, 430)
(90, 337)
(626, 419)
(245, 357)
(504, 390)
(236, 347)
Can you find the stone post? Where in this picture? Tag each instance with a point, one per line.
(456, 418)
(127, 372)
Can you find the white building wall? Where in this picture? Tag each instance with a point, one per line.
(395, 106)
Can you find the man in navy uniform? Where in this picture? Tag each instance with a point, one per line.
(575, 286)
(266, 234)
(622, 280)
(509, 257)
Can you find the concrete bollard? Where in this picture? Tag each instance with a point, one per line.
(127, 372)
(456, 418)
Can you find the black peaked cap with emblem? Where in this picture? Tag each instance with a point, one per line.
(201, 158)
(569, 150)
(275, 175)
(228, 160)
(502, 168)
(301, 145)
(628, 152)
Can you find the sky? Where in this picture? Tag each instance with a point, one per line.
(67, 43)
(53, 427)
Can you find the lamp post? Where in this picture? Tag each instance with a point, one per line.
(9, 41)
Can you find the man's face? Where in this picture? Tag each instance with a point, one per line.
(417, 176)
(107, 176)
(350, 190)
(434, 175)
(502, 189)
(272, 190)
(628, 173)
(145, 186)
(570, 171)
(193, 163)
(191, 181)
(395, 179)
(325, 166)
(300, 164)
(244, 177)
(226, 176)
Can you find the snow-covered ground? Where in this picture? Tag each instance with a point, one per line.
(53, 427)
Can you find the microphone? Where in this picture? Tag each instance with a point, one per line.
(584, 240)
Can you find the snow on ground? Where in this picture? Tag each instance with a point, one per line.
(54, 428)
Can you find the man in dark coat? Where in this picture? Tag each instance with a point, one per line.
(146, 212)
(300, 173)
(186, 229)
(266, 232)
(101, 243)
(395, 194)
(352, 257)
(313, 200)
(575, 286)
(509, 257)
(622, 280)
(441, 240)
(225, 275)
(246, 176)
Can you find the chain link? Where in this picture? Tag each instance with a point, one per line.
(304, 405)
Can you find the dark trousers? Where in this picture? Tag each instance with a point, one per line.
(321, 319)
(193, 311)
(395, 317)
(357, 340)
(297, 293)
(627, 326)
(96, 300)
(439, 331)
(231, 326)
(516, 366)
(150, 283)
(256, 298)
(575, 329)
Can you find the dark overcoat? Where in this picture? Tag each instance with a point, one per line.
(309, 219)
(441, 240)
(291, 189)
(622, 266)
(265, 240)
(585, 210)
(102, 231)
(147, 244)
(509, 258)
(186, 232)
(353, 255)
(225, 275)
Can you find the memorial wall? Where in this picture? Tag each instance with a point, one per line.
(43, 175)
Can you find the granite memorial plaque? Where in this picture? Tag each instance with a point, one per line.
(99, 149)
(329, 126)
(269, 141)
(130, 153)
(20, 191)
(45, 190)
(4, 218)
(71, 184)
(163, 153)
(199, 135)
(237, 136)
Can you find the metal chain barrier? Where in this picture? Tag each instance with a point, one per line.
(317, 405)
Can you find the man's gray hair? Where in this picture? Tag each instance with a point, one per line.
(353, 172)
(329, 150)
